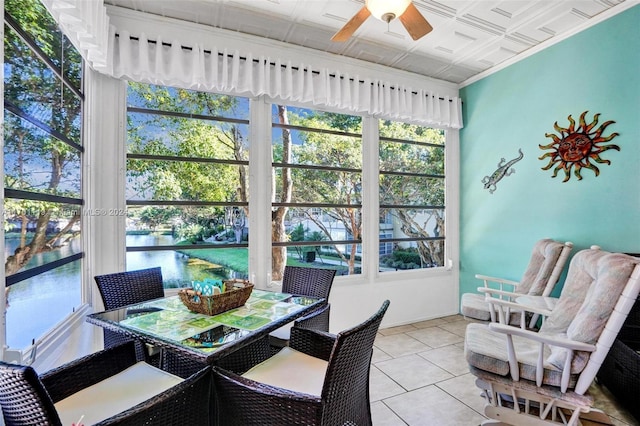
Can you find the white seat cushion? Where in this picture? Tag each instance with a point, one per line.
(293, 370)
(487, 350)
(474, 306)
(283, 333)
(116, 394)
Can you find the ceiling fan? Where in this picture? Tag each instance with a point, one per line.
(387, 11)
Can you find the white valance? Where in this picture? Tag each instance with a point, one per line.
(209, 68)
(86, 24)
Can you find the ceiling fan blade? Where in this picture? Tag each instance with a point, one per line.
(351, 26)
(415, 23)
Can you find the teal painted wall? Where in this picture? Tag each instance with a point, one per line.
(596, 70)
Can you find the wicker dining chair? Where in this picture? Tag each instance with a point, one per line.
(109, 387)
(125, 288)
(320, 379)
(313, 282)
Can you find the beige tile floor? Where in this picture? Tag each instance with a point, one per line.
(419, 376)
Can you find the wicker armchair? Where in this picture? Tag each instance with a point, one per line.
(320, 379)
(313, 282)
(106, 388)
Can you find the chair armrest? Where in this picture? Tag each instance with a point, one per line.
(187, 403)
(317, 320)
(546, 339)
(246, 357)
(318, 344)
(514, 305)
(88, 370)
(568, 345)
(501, 293)
(506, 307)
(500, 281)
(249, 402)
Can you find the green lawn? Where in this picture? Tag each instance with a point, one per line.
(232, 258)
(237, 259)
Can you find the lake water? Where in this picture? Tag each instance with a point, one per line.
(178, 270)
(37, 304)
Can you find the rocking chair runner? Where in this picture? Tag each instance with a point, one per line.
(549, 372)
(545, 266)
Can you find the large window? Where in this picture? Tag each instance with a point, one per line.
(412, 192)
(187, 183)
(43, 100)
(188, 189)
(317, 199)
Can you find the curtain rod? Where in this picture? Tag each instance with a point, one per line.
(257, 61)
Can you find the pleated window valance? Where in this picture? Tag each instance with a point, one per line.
(86, 24)
(140, 57)
(157, 61)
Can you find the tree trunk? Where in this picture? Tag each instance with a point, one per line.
(22, 255)
(74, 219)
(278, 231)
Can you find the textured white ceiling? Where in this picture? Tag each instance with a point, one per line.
(469, 36)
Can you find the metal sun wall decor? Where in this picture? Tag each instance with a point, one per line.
(576, 147)
(504, 169)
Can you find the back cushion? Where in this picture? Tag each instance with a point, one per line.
(594, 283)
(543, 259)
(612, 271)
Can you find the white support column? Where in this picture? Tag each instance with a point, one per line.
(452, 212)
(370, 197)
(260, 194)
(104, 218)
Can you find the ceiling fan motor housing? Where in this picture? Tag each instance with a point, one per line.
(388, 17)
(387, 10)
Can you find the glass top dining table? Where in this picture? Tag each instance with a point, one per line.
(168, 324)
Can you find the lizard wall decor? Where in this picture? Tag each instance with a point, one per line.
(504, 169)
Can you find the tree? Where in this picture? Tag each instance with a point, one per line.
(342, 187)
(395, 190)
(36, 160)
(200, 142)
(278, 214)
(337, 187)
(153, 217)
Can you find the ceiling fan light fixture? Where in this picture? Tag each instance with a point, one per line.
(387, 10)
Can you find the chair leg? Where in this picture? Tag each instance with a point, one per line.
(153, 355)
